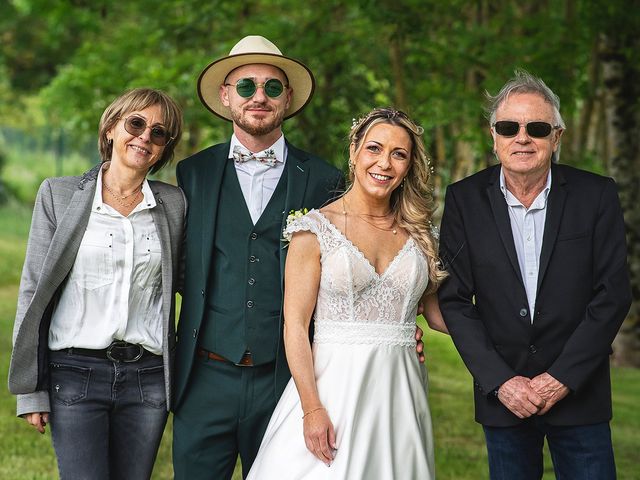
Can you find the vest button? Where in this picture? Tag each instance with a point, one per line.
(533, 348)
(523, 312)
(250, 304)
(252, 281)
(254, 235)
(252, 258)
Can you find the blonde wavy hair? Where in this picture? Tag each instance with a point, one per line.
(412, 203)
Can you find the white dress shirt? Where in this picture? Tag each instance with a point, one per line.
(257, 180)
(527, 227)
(114, 289)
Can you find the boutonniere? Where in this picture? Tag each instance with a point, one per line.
(293, 215)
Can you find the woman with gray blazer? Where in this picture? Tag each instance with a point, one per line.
(94, 334)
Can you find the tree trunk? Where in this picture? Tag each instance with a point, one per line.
(438, 155)
(398, 71)
(585, 133)
(621, 80)
(464, 161)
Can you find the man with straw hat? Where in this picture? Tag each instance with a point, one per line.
(230, 364)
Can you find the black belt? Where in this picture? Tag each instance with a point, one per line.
(118, 351)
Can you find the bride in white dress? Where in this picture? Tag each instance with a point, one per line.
(357, 401)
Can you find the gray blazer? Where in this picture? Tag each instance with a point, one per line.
(60, 217)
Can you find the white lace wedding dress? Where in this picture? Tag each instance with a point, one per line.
(367, 371)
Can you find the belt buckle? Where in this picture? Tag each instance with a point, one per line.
(122, 344)
(246, 355)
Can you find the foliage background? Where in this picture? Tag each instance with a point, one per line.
(62, 62)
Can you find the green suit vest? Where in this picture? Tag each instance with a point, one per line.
(244, 295)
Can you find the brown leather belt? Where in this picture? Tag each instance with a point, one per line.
(245, 361)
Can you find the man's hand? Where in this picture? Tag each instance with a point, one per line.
(522, 400)
(550, 389)
(39, 420)
(419, 344)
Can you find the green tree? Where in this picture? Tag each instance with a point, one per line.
(62, 62)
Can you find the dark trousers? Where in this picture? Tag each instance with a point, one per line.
(224, 413)
(581, 452)
(107, 418)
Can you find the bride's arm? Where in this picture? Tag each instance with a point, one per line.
(432, 313)
(302, 280)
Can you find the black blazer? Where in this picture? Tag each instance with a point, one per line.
(582, 299)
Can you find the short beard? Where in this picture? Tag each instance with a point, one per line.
(259, 129)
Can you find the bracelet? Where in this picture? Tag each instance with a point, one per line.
(311, 411)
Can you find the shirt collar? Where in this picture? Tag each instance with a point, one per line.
(279, 148)
(98, 205)
(539, 202)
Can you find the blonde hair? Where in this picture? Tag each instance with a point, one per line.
(136, 100)
(412, 203)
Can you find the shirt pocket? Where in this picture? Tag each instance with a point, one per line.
(93, 267)
(148, 271)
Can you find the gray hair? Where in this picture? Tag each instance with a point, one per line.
(524, 82)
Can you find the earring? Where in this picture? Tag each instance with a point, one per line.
(402, 182)
(109, 141)
(352, 165)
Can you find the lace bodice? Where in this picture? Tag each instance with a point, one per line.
(356, 304)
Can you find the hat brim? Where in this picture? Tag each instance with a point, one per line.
(300, 80)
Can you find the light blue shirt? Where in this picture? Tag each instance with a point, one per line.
(527, 227)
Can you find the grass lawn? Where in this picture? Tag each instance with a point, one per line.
(459, 442)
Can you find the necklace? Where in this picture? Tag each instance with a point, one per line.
(120, 198)
(362, 216)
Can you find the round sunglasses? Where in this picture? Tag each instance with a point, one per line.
(509, 128)
(136, 125)
(246, 87)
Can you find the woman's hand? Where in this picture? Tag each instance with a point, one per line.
(431, 312)
(39, 420)
(319, 435)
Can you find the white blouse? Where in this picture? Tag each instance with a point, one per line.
(114, 290)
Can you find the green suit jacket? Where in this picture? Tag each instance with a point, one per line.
(311, 182)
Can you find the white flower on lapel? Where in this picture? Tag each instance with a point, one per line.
(293, 215)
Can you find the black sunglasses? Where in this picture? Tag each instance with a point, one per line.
(508, 128)
(246, 87)
(136, 125)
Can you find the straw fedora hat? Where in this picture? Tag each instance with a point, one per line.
(255, 49)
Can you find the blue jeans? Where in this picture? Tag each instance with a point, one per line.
(582, 452)
(107, 417)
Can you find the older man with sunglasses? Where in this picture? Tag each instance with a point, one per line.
(537, 291)
(230, 365)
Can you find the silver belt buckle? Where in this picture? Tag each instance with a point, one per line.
(122, 344)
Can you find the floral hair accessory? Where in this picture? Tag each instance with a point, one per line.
(386, 114)
(293, 215)
(435, 231)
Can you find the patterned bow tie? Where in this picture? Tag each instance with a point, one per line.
(241, 155)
